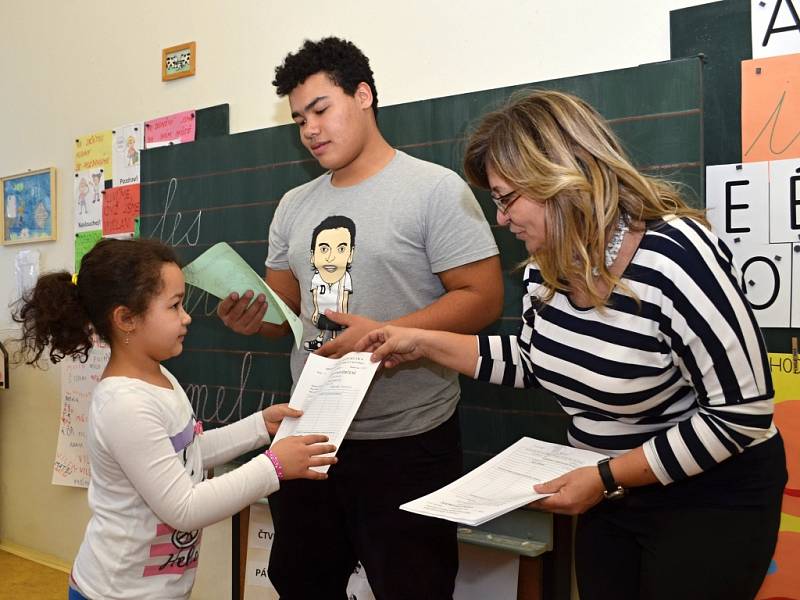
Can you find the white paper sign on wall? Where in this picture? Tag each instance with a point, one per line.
(784, 201)
(767, 277)
(775, 27)
(737, 201)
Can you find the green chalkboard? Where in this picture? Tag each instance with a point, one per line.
(226, 188)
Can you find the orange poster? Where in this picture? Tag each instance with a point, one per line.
(783, 578)
(771, 108)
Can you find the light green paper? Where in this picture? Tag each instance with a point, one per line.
(85, 241)
(220, 271)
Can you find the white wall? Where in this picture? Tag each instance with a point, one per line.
(72, 68)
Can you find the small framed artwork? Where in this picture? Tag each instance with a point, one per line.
(29, 207)
(178, 61)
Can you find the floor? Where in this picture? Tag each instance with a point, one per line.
(26, 580)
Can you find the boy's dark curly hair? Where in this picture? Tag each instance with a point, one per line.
(344, 63)
(62, 316)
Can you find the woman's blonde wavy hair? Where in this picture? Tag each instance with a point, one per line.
(556, 149)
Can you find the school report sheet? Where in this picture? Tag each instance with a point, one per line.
(503, 483)
(329, 392)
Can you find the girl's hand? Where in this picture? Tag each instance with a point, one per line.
(274, 414)
(573, 493)
(393, 345)
(298, 453)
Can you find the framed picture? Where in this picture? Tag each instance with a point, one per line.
(29, 207)
(178, 61)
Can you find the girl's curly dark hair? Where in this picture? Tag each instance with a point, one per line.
(343, 62)
(62, 315)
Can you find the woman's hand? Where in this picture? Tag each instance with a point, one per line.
(298, 453)
(573, 493)
(273, 415)
(393, 345)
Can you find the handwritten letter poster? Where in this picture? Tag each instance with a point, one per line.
(71, 465)
(120, 209)
(172, 129)
(94, 152)
(771, 108)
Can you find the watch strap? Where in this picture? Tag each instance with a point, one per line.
(612, 488)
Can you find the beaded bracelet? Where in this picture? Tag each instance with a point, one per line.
(275, 463)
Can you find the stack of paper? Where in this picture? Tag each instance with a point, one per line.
(503, 483)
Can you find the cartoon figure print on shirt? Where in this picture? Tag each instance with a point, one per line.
(332, 247)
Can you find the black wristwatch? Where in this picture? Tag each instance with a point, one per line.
(613, 490)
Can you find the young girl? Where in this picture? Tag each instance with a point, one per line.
(148, 493)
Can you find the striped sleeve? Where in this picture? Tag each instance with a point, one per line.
(716, 343)
(506, 360)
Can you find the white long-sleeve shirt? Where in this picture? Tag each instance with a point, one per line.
(148, 492)
(683, 374)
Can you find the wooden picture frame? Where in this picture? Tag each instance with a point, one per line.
(29, 207)
(178, 61)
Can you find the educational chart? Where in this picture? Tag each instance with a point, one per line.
(754, 206)
(783, 576)
(71, 465)
(755, 209)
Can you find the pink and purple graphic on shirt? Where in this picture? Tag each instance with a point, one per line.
(173, 552)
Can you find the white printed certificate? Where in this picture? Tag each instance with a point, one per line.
(503, 483)
(329, 392)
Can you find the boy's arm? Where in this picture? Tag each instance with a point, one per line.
(241, 316)
(474, 299)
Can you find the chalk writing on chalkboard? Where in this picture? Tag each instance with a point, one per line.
(217, 410)
(160, 229)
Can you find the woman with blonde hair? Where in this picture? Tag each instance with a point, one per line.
(634, 318)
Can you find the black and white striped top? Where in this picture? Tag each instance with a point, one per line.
(685, 374)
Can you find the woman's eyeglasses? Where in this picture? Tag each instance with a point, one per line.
(505, 201)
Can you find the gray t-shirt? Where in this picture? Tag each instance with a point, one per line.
(373, 249)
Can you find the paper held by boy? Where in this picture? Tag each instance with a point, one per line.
(220, 271)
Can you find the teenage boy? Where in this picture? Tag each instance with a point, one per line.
(424, 257)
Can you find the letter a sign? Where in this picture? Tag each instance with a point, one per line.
(775, 26)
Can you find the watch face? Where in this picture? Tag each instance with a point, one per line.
(616, 494)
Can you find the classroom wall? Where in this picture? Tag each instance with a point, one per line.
(69, 69)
